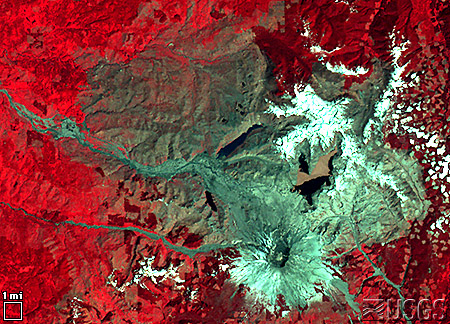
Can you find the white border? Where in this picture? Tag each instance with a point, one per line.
(13, 319)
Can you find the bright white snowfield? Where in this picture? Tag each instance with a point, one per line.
(342, 69)
(326, 120)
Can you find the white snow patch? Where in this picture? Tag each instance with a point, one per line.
(438, 224)
(342, 69)
(156, 276)
(111, 280)
(319, 50)
(146, 271)
(325, 121)
(75, 308)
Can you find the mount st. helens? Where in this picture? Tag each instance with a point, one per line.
(111, 127)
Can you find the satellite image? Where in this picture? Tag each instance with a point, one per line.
(224, 161)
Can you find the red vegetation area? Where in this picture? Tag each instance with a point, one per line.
(29, 264)
(334, 26)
